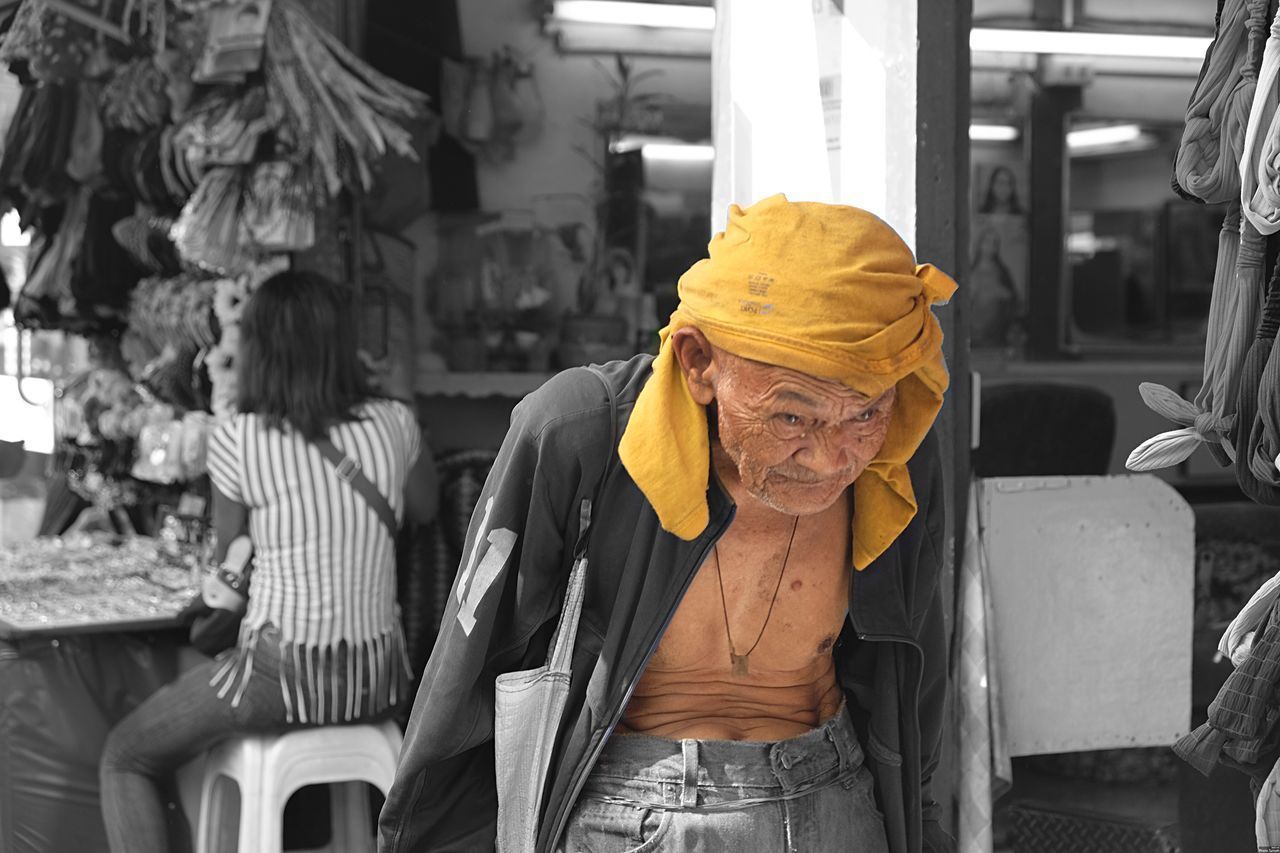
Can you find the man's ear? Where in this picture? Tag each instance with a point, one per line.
(697, 361)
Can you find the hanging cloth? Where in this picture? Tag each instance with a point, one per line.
(1217, 113)
(986, 768)
(1258, 454)
(1237, 640)
(1267, 826)
(1237, 280)
(1260, 158)
(1196, 419)
(1204, 70)
(1243, 713)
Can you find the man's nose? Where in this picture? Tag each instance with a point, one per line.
(826, 453)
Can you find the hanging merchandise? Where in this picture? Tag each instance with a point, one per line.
(33, 173)
(59, 38)
(455, 83)
(229, 297)
(224, 128)
(45, 301)
(136, 97)
(1208, 159)
(1259, 426)
(334, 105)
(279, 208)
(1208, 165)
(207, 233)
(103, 274)
(478, 121)
(146, 239)
(517, 104)
(85, 161)
(236, 35)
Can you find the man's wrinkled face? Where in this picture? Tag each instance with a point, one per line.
(797, 441)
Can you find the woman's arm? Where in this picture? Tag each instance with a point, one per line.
(230, 520)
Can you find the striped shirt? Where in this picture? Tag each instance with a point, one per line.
(324, 564)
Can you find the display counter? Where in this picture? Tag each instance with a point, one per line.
(89, 628)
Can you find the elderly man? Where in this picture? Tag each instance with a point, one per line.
(760, 662)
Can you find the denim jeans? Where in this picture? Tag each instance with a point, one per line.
(171, 727)
(808, 794)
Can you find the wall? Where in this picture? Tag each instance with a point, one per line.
(570, 86)
(1136, 181)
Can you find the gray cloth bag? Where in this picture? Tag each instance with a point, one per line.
(527, 710)
(528, 705)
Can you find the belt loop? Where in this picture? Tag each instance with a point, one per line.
(689, 794)
(844, 758)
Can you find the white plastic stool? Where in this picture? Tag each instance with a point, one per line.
(269, 769)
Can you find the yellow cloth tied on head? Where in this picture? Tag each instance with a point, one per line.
(830, 291)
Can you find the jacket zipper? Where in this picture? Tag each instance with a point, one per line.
(915, 692)
(634, 679)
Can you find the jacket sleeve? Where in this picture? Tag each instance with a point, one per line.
(508, 587)
(932, 631)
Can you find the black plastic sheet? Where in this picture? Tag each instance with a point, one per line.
(58, 700)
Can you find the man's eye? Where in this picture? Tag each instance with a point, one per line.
(791, 420)
(867, 416)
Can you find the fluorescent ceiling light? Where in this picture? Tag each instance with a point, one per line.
(677, 152)
(619, 12)
(992, 132)
(574, 37)
(987, 40)
(1112, 134)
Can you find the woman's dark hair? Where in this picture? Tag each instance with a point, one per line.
(298, 363)
(991, 204)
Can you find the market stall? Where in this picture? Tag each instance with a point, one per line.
(166, 157)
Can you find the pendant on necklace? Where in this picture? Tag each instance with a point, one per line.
(740, 663)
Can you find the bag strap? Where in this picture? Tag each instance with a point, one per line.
(348, 471)
(560, 657)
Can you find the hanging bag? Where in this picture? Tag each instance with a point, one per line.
(528, 705)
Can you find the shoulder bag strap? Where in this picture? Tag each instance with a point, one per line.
(348, 471)
(613, 453)
(561, 652)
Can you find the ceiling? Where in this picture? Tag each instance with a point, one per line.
(1151, 91)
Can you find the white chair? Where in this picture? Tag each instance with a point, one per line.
(269, 769)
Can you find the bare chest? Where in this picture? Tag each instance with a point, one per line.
(754, 609)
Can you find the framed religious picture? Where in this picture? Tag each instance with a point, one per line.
(999, 254)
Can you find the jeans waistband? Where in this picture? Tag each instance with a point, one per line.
(694, 773)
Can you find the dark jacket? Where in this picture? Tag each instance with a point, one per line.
(891, 656)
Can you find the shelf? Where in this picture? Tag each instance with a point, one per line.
(478, 385)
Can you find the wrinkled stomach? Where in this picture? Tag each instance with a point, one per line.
(710, 704)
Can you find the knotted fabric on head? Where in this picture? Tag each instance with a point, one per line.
(827, 290)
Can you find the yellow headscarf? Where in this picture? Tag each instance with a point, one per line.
(828, 290)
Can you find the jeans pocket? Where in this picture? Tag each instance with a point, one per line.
(598, 826)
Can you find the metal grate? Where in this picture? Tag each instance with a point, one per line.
(1046, 829)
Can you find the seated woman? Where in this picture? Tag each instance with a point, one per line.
(321, 641)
